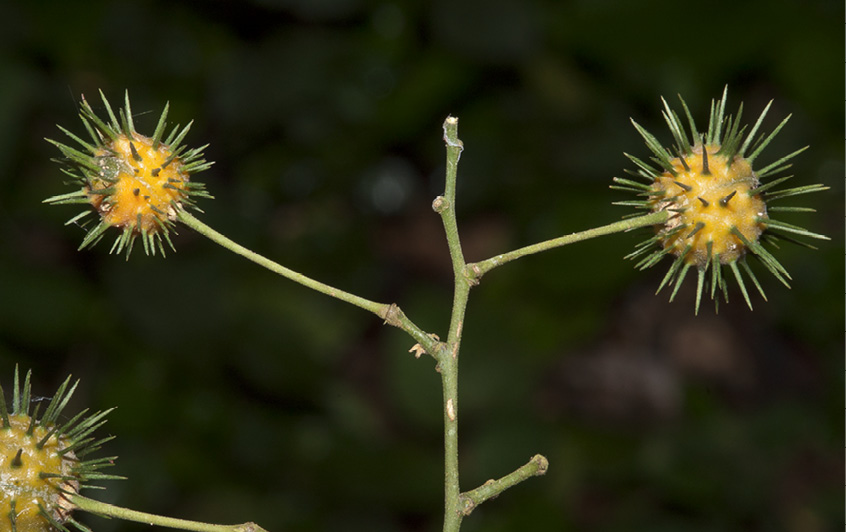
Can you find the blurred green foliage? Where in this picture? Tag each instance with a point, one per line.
(245, 397)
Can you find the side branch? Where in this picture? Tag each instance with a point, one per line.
(535, 467)
(392, 314)
(108, 510)
(477, 269)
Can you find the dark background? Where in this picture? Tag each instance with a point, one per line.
(242, 396)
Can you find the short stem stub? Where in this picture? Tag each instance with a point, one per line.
(535, 467)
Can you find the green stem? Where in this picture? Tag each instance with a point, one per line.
(535, 467)
(391, 313)
(456, 504)
(445, 205)
(478, 269)
(448, 357)
(107, 510)
(448, 367)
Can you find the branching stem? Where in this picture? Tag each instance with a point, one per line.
(448, 357)
(456, 504)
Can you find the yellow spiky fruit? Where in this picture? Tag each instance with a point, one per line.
(719, 211)
(41, 461)
(135, 183)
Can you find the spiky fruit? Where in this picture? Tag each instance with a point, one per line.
(135, 183)
(42, 461)
(719, 210)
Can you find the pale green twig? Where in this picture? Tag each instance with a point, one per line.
(448, 358)
(478, 269)
(391, 313)
(535, 467)
(108, 510)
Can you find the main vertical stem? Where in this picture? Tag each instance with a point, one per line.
(452, 490)
(448, 357)
(448, 364)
